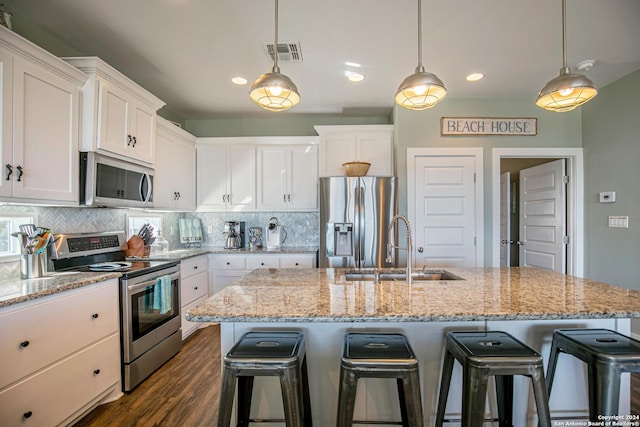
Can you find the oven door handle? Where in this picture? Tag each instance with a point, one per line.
(137, 286)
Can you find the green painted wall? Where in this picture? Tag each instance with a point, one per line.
(612, 163)
(422, 129)
(274, 125)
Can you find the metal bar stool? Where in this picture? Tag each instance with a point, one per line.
(279, 354)
(486, 353)
(607, 354)
(378, 355)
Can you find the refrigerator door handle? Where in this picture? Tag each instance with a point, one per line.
(356, 226)
(361, 215)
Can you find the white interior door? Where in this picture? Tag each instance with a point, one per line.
(445, 211)
(543, 218)
(505, 219)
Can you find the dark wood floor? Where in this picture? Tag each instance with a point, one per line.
(185, 391)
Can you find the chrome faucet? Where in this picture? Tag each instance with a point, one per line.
(391, 246)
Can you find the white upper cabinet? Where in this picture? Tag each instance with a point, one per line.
(226, 175)
(118, 117)
(364, 143)
(175, 168)
(288, 177)
(40, 108)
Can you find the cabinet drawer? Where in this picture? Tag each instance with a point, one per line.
(61, 390)
(193, 287)
(262, 261)
(41, 333)
(195, 265)
(229, 262)
(297, 261)
(187, 326)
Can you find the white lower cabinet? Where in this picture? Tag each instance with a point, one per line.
(227, 268)
(64, 356)
(194, 288)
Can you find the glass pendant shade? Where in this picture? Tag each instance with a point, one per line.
(566, 92)
(420, 90)
(274, 91)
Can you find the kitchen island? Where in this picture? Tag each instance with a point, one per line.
(526, 302)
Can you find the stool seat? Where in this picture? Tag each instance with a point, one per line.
(490, 353)
(607, 354)
(281, 354)
(379, 355)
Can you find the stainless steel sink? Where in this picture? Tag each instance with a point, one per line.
(398, 275)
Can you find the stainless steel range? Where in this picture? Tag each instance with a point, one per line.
(149, 299)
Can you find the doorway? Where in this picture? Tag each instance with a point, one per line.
(574, 199)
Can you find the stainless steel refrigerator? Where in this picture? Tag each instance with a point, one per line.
(354, 220)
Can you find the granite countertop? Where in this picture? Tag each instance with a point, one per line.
(323, 295)
(16, 290)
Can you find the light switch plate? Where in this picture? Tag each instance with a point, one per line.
(607, 197)
(619, 221)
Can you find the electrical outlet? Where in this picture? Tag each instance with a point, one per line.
(209, 229)
(619, 221)
(172, 230)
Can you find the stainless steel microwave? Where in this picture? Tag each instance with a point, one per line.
(111, 182)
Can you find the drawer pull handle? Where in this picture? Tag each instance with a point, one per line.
(195, 288)
(24, 344)
(95, 315)
(96, 372)
(27, 414)
(228, 263)
(195, 267)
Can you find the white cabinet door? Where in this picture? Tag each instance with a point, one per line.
(143, 131)
(113, 114)
(272, 178)
(226, 178)
(241, 176)
(45, 134)
(175, 164)
(303, 173)
(365, 143)
(212, 178)
(6, 153)
(287, 177)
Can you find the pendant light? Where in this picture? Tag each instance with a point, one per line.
(421, 90)
(274, 91)
(568, 90)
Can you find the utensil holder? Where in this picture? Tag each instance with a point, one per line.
(33, 266)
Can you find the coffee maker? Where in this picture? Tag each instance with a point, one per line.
(234, 234)
(276, 234)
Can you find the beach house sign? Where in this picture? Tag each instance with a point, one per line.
(512, 126)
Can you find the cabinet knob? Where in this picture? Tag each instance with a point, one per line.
(297, 263)
(96, 372)
(228, 263)
(95, 315)
(195, 288)
(9, 171)
(27, 414)
(262, 263)
(195, 267)
(420, 249)
(24, 344)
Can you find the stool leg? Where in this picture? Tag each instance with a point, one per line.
(445, 382)
(306, 400)
(551, 368)
(346, 397)
(291, 385)
(604, 389)
(403, 402)
(228, 391)
(245, 393)
(541, 396)
(411, 393)
(504, 393)
(474, 395)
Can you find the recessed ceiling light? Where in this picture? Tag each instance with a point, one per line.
(586, 65)
(239, 81)
(352, 64)
(354, 77)
(474, 77)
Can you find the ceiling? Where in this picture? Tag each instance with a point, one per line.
(187, 51)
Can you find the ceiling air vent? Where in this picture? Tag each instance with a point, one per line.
(287, 52)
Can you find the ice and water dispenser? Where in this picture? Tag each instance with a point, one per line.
(340, 239)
